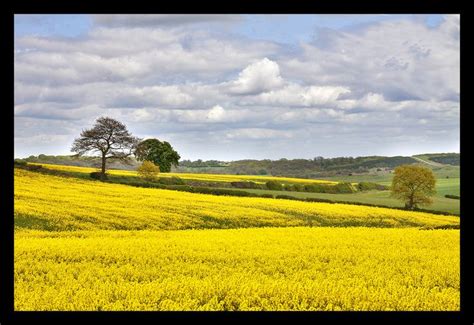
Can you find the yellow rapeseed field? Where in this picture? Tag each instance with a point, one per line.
(89, 245)
(238, 269)
(58, 203)
(196, 177)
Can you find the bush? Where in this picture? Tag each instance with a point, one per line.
(18, 162)
(450, 196)
(148, 170)
(298, 187)
(217, 191)
(98, 175)
(314, 199)
(343, 188)
(315, 188)
(287, 197)
(369, 186)
(247, 184)
(173, 180)
(274, 185)
(34, 167)
(265, 195)
(178, 187)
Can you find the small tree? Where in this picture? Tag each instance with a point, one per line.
(108, 137)
(413, 184)
(148, 170)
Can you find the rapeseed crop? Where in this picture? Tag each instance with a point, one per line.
(225, 178)
(89, 245)
(58, 203)
(321, 269)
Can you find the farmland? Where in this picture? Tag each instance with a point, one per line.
(325, 269)
(382, 198)
(199, 177)
(74, 204)
(88, 245)
(440, 203)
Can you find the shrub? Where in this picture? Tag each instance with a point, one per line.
(217, 191)
(185, 188)
(34, 167)
(18, 162)
(247, 184)
(274, 185)
(343, 187)
(173, 180)
(450, 196)
(98, 175)
(314, 199)
(148, 170)
(315, 188)
(265, 195)
(369, 186)
(288, 197)
(298, 187)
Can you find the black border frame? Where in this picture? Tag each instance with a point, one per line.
(7, 313)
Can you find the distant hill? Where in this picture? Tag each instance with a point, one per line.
(453, 159)
(303, 168)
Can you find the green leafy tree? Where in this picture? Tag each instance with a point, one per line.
(160, 153)
(148, 170)
(414, 185)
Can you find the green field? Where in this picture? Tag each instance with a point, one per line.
(385, 178)
(440, 203)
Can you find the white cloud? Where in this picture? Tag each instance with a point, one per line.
(256, 133)
(216, 113)
(369, 84)
(258, 77)
(296, 95)
(400, 59)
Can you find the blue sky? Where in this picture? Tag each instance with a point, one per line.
(280, 28)
(267, 86)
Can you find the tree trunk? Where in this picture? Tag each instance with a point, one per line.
(103, 166)
(411, 203)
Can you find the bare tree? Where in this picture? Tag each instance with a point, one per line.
(108, 137)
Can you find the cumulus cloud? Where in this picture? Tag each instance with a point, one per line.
(400, 59)
(371, 86)
(295, 95)
(258, 77)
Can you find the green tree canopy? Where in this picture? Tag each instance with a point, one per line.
(160, 153)
(413, 184)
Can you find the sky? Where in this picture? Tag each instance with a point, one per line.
(230, 87)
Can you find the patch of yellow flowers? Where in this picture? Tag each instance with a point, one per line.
(88, 245)
(194, 177)
(238, 269)
(58, 203)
